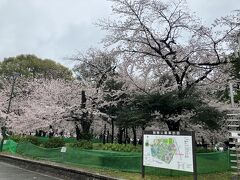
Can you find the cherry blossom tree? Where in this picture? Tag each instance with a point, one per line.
(164, 48)
(97, 69)
(163, 38)
(94, 67)
(84, 113)
(38, 103)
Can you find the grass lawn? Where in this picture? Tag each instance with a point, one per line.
(137, 176)
(133, 176)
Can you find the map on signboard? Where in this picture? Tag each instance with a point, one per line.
(164, 149)
(168, 151)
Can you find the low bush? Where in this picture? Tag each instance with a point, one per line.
(32, 139)
(117, 147)
(86, 136)
(82, 144)
(16, 138)
(54, 142)
(204, 150)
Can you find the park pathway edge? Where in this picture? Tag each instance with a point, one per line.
(53, 169)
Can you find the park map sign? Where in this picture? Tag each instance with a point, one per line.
(170, 150)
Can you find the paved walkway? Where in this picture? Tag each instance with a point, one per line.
(11, 172)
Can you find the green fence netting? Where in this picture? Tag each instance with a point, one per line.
(130, 162)
(10, 146)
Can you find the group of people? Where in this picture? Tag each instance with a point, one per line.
(50, 133)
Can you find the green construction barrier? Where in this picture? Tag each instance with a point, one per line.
(9, 146)
(123, 161)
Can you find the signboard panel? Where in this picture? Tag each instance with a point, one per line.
(63, 149)
(168, 151)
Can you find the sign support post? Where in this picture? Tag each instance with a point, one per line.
(194, 156)
(143, 167)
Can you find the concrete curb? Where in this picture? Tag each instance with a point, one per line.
(52, 169)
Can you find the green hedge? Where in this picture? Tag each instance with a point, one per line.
(54, 142)
(32, 139)
(82, 144)
(117, 147)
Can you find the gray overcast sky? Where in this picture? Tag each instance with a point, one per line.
(56, 29)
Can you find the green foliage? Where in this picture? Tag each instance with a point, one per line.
(54, 142)
(223, 95)
(82, 144)
(139, 111)
(131, 116)
(115, 96)
(70, 140)
(235, 66)
(32, 66)
(1, 83)
(135, 113)
(16, 138)
(113, 84)
(32, 139)
(172, 103)
(210, 116)
(237, 97)
(86, 136)
(204, 150)
(117, 147)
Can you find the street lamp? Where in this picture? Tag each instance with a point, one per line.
(3, 128)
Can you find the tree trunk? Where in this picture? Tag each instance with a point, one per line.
(104, 134)
(173, 126)
(134, 136)
(85, 127)
(107, 136)
(126, 137)
(120, 135)
(78, 134)
(85, 121)
(112, 122)
(84, 100)
(141, 139)
(4, 136)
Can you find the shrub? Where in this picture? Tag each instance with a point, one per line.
(32, 139)
(16, 138)
(204, 150)
(86, 136)
(98, 146)
(82, 144)
(54, 142)
(117, 147)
